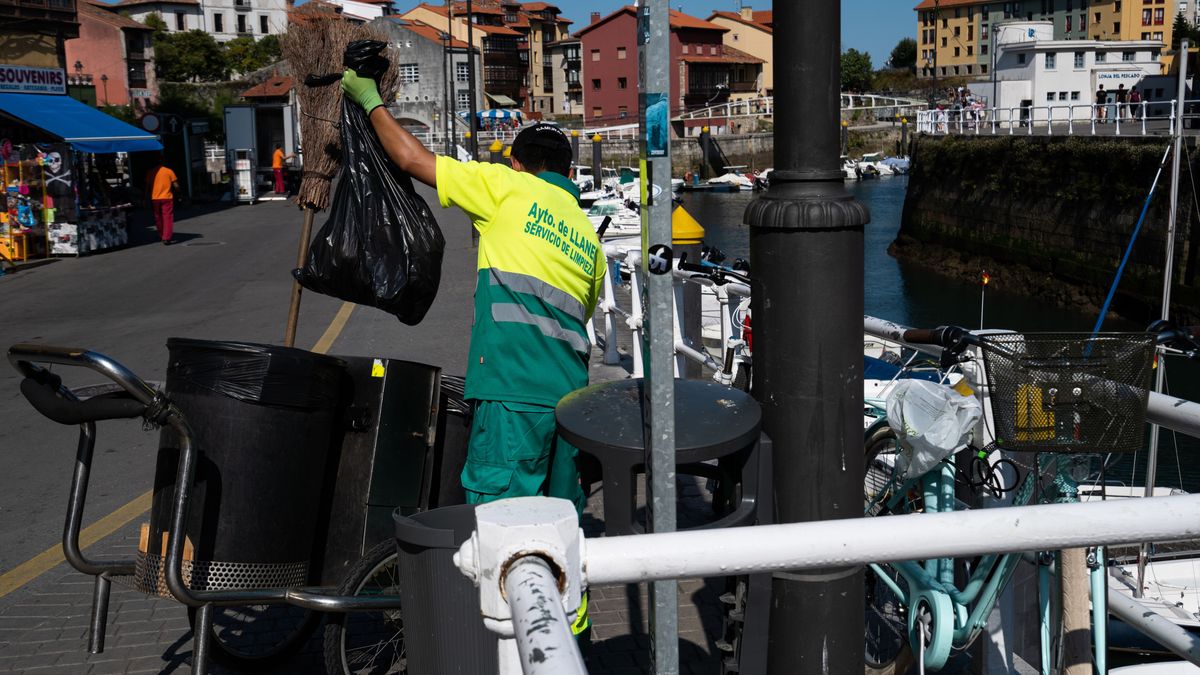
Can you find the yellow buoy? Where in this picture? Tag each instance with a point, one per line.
(684, 228)
(496, 146)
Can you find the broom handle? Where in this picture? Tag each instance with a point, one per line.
(289, 337)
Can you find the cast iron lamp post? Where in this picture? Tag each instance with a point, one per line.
(806, 249)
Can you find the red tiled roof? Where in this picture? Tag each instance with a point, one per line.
(943, 4)
(678, 20)
(279, 85)
(724, 55)
(461, 8)
(539, 7)
(734, 16)
(497, 30)
(681, 20)
(130, 3)
(103, 12)
(765, 16)
(430, 33)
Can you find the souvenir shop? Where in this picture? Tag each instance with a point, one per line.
(66, 175)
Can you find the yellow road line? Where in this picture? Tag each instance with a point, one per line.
(334, 329)
(44, 561)
(51, 557)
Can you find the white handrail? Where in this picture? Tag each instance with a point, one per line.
(1069, 119)
(822, 544)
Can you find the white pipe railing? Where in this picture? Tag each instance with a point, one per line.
(727, 295)
(825, 544)
(1170, 635)
(1130, 119)
(545, 644)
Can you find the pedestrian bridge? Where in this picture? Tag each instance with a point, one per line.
(1156, 118)
(877, 106)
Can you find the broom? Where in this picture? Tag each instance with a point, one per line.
(316, 38)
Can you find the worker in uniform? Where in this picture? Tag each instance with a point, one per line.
(539, 275)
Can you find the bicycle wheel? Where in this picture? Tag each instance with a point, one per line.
(368, 643)
(886, 648)
(255, 637)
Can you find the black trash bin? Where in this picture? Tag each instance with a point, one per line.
(443, 627)
(263, 419)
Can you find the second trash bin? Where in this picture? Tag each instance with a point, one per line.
(443, 626)
(263, 419)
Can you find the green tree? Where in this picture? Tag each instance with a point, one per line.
(192, 56)
(904, 55)
(245, 55)
(1180, 29)
(857, 70)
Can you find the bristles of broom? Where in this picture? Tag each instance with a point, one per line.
(314, 43)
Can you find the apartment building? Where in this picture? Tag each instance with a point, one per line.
(424, 58)
(112, 60)
(567, 77)
(223, 19)
(753, 33)
(513, 38)
(709, 71)
(32, 32)
(958, 37)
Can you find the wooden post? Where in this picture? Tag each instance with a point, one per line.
(1076, 613)
(289, 335)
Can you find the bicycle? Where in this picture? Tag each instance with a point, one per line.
(1047, 394)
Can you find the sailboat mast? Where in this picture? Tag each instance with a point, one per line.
(1168, 278)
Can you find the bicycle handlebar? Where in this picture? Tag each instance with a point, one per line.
(46, 394)
(948, 337)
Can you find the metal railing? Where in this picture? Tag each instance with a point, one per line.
(513, 531)
(1125, 119)
(727, 295)
(764, 106)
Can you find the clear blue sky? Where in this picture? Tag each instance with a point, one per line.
(873, 26)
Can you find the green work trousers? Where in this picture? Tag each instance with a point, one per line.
(515, 451)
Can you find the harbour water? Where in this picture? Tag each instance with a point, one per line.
(918, 297)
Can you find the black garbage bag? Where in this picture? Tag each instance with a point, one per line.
(381, 245)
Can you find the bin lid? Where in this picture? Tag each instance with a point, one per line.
(447, 527)
(257, 373)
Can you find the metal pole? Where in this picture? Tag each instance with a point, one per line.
(187, 158)
(473, 144)
(1172, 636)
(597, 162)
(289, 333)
(540, 624)
(1168, 279)
(937, 10)
(447, 75)
(654, 63)
(806, 248)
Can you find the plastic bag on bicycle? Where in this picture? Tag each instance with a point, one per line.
(932, 421)
(381, 245)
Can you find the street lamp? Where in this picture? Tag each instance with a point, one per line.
(104, 81)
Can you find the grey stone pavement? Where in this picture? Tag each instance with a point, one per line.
(234, 291)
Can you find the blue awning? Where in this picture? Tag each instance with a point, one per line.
(85, 127)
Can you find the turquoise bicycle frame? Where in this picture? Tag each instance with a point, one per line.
(957, 615)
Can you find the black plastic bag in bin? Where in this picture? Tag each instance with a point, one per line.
(381, 245)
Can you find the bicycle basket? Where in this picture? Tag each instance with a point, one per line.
(1069, 392)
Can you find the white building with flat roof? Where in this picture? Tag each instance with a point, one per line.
(1034, 72)
(223, 19)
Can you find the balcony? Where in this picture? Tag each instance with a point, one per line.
(58, 13)
(243, 5)
(743, 87)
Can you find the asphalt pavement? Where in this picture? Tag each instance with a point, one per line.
(227, 278)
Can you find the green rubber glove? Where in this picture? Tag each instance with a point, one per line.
(361, 90)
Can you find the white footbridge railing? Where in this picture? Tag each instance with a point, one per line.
(1126, 119)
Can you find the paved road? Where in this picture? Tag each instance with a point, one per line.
(228, 279)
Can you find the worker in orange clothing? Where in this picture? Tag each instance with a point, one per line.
(277, 160)
(161, 184)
